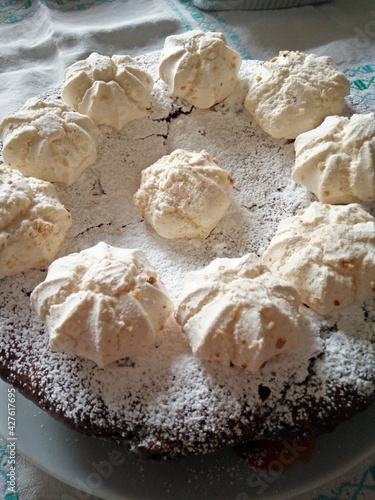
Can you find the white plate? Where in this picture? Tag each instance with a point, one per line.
(110, 472)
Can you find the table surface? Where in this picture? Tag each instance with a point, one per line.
(39, 39)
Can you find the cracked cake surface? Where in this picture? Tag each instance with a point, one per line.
(164, 402)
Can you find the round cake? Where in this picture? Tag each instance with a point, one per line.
(163, 402)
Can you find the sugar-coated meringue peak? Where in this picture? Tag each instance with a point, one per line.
(184, 194)
(294, 92)
(50, 141)
(234, 311)
(110, 90)
(328, 253)
(336, 161)
(103, 303)
(33, 222)
(199, 67)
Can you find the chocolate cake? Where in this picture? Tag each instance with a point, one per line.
(165, 403)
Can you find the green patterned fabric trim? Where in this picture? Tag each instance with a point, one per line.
(14, 11)
(362, 81)
(361, 489)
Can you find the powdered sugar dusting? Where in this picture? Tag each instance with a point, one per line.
(165, 402)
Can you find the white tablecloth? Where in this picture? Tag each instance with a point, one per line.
(39, 39)
(49, 36)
